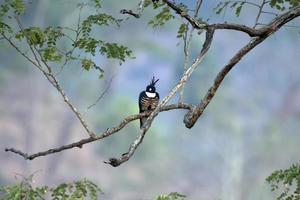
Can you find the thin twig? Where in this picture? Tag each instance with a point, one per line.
(246, 2)
(30, 46)
(68, 55)
(259, 12)
(52, 79)
(187, 39)
(102, 93)
(270, 13)
(21, 52)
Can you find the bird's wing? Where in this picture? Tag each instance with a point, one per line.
(142, 94)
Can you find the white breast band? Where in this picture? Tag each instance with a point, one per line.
(150, 94)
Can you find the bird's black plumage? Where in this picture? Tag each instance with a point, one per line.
(148, 99)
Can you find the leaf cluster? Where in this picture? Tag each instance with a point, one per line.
(48, 41)
(182, 30)
(284, 180)
(45, 39)
(236, 6)
(162, 17)
(284, 4)
(171, 196)
(98, 19)
(79, 190)
(17, 7)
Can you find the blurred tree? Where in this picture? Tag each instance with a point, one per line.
(50, 49)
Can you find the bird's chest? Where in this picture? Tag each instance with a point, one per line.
(149, 103)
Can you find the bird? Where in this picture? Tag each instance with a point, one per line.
(155, 1)
(148, 99)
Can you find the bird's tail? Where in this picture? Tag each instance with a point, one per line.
(142, 121)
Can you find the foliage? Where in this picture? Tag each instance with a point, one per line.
(171, 196)
(284, 180)
(237, 6)
(281, 4)
(98, 19)
(83, 189)
(162, 17)
(97, 3)
(18, 8)
(182, 30)
(50, 41)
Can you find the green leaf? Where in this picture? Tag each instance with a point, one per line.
(97, 3)
(4, 28)
(220, 7)
(182, 30)
(98, 19)
(171, 196)
(19, 6)
(281, 4)
(89, 45)
(233, 5)
(115, 51)
(162, 17)
(287, 182)
(87, 64)
(4, 8)
(238, 10)
(51, 54)
(53, 34)
(34, 35)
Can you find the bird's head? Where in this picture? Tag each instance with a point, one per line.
(151, 87)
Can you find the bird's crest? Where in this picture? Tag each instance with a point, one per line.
(153, 81)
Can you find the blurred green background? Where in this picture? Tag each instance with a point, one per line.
(249, 129)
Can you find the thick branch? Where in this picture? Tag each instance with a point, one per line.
(237, 27)
(192, 116)
(106, 133)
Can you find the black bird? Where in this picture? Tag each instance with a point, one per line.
(148, 99)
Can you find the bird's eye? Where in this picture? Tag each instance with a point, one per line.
(150, 89)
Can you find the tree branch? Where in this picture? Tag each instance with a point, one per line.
(259, 12)
(197, 24)
(259, 35)
(125, 157)
(52, 79)
(187, 39)
(102, 93)
(192, 116)
(105, 134)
